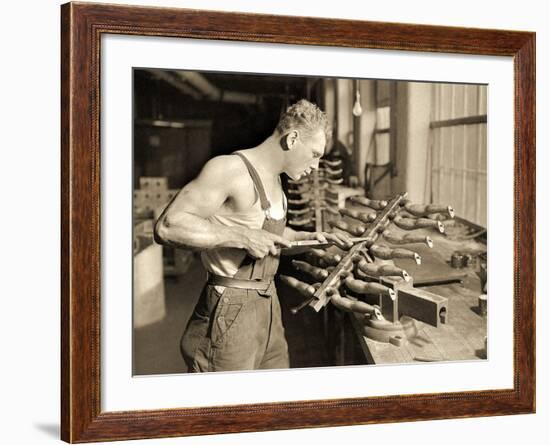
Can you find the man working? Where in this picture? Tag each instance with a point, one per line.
(234, 212)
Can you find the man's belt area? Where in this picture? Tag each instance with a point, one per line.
(218, 280)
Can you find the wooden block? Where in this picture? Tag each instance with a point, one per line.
(389, 307)
(423, 305)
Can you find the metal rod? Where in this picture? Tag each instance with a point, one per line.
(469, 120)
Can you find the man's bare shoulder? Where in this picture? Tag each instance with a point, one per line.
(229, 170)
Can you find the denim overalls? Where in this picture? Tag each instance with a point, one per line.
(241, 327)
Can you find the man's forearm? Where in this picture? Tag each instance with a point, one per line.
(191, 231)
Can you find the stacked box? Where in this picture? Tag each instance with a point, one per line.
(152, 195)
(153, 184)
(149, 202)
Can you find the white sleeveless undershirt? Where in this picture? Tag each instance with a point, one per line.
(225, 261)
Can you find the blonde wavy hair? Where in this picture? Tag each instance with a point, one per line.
(304, 115)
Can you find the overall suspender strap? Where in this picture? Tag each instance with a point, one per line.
(253, 273)
(257, 182)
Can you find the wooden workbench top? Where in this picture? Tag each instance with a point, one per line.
(463, 336)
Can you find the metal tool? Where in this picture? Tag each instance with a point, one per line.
(359, 269)
(297, 247)
(321, 297)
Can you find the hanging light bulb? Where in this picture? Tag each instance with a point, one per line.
(357, 110)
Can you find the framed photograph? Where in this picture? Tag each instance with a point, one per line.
(274, 222)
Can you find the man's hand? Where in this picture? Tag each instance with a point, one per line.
(339, 239)
(259, 243)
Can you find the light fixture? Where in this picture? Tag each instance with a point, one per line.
(357, 110)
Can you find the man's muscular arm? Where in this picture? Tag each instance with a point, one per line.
(183, 223)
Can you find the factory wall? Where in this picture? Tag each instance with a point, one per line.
(398, 150)
(412, 110)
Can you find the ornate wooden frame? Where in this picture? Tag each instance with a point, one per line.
(82, 26)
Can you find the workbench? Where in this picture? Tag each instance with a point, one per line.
(463, 335)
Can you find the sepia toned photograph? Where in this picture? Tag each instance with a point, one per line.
(299, 222)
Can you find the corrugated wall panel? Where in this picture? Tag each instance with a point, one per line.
(459, 152)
